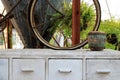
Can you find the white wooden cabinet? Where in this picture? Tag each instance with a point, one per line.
(46, 64)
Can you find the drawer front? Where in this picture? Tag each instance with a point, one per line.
(65, 69)
(28, 69)
(103, 69)
(3, 69)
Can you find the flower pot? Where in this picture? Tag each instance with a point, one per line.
(96, 40)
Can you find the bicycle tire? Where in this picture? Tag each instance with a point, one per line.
(3, 24)
(40, 37)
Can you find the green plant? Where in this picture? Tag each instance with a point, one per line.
(64, 23)
(111, 27)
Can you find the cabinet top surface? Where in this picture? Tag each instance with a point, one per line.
(108, 53)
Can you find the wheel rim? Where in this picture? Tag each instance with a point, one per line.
(2, 24)
(38, 30)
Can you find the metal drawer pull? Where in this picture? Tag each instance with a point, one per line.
(104, 71)
(65, 70)
(27, 70)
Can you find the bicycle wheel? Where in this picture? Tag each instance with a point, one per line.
(2, 24)
(51, 21)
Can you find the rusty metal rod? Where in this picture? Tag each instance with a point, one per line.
(9, 12)
(75, 22)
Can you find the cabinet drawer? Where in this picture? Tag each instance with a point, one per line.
(28, 69)
(103, 69)
(3, 69)
(65, 69)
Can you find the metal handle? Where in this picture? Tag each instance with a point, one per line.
(103, 71)
(65, 70)
(27, 70)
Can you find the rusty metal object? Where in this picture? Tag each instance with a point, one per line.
(2, 24)
(96, 40)
(75, 22)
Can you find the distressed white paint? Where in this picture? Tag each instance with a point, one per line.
(65, 69)
(47, 64)
(3, 69)
(101, 69)
(28, 69)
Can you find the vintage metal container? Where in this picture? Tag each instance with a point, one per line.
(96, 40)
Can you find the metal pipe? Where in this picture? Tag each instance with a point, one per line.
(75, 22)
